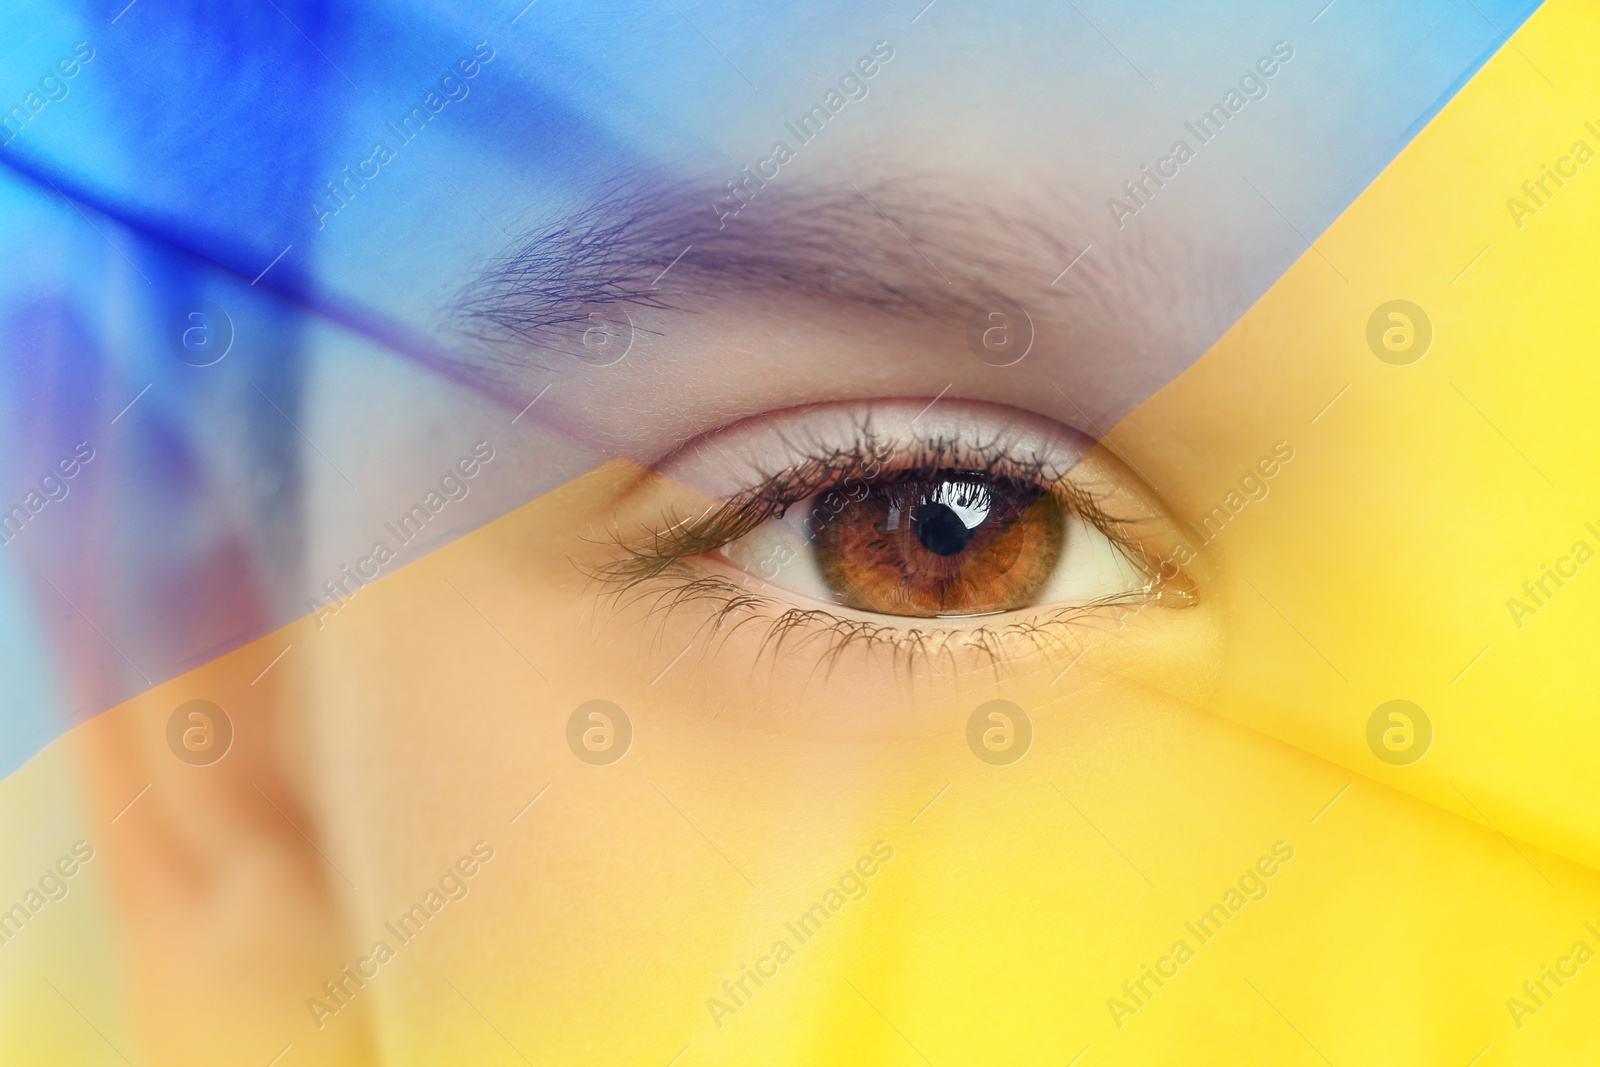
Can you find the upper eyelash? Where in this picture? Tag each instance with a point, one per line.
(825, 468)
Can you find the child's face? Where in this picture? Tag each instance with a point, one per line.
(907, 680)
(715, 746)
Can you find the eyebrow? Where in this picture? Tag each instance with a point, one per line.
(907, 247)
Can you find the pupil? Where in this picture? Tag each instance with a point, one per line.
(940, 529)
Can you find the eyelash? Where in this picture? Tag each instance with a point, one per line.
(655, 568)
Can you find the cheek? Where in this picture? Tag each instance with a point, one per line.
(733, 790)
(711, 806)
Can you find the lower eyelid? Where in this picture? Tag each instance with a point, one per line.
(828, 672)
(739, 621)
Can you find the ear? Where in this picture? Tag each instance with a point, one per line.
(222, 896)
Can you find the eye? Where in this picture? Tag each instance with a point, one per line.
(887, 510)
(941, 543)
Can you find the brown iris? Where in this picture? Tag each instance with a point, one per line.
(944, 542)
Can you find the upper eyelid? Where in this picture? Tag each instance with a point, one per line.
(731, 460)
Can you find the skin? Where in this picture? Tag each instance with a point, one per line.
(432, 710)
(431, 714)
(411, 728)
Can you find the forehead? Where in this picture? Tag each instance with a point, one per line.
(1135, 183)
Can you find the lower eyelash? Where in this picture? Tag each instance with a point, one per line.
(671, 585)
(656, 568)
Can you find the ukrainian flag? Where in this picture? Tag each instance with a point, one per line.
(291, 645)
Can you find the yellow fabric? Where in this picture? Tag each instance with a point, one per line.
(1406, 905)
